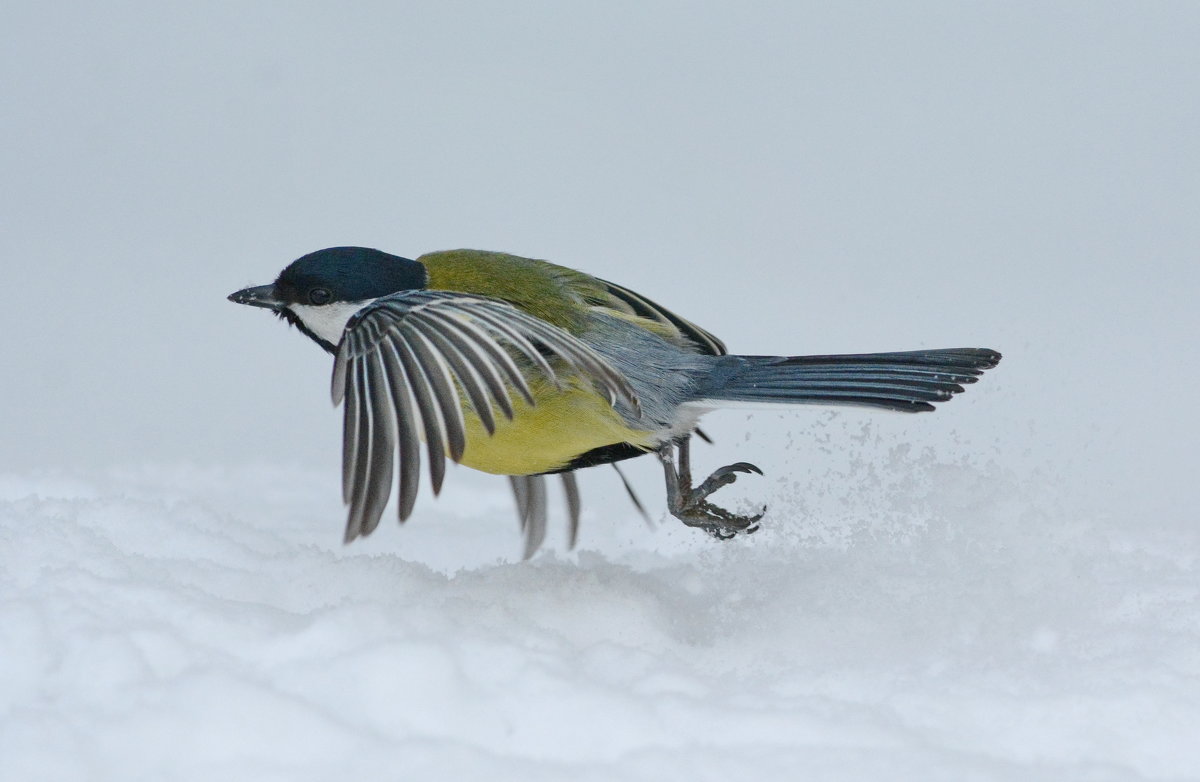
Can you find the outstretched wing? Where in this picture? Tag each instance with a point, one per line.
(400, 368)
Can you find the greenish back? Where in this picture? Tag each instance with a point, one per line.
(553, 293)
(558, 295)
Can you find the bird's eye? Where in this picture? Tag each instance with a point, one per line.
(319, 296)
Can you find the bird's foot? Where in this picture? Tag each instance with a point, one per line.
(691, 505)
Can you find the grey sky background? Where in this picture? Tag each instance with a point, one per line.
(798, 178)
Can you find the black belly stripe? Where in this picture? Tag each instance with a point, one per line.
(605, 454)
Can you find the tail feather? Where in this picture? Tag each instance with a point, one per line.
(909, 381)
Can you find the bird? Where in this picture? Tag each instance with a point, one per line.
(524, 368)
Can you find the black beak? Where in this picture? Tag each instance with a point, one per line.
(259, 296)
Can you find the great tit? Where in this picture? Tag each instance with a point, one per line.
(524, 368)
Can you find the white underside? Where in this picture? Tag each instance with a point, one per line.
(328, 321)
(687, 417)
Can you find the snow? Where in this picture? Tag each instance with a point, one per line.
(194, 623)
(1006, 589)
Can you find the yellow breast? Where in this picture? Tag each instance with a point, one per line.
(545, 437)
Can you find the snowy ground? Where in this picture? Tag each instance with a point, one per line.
(913, 619)
(1006, 590)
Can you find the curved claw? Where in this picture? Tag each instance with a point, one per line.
(720, 478)
(725, 533)
(757, 516)
(740, 467)
(733, 469)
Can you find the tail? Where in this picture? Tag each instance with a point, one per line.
(910, 381)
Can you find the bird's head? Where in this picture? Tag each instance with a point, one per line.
(319, 292)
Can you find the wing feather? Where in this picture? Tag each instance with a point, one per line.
(645, 308)
(530, 494)
(360, 470)
(586, 362)
(518, 340)
(490, 357)
(437, 372)
(520, 489)
(470, 380)
(435, 441)
(378, 483)
(408, 446)
(571, 491)
(350, 423)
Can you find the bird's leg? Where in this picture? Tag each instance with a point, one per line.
(690, 505)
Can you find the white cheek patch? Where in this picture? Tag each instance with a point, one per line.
(328, 321)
